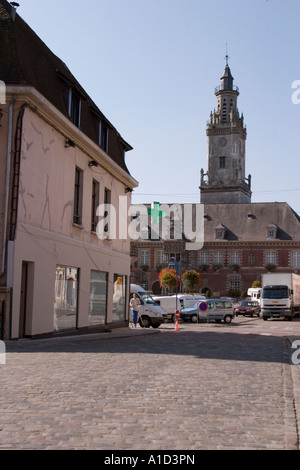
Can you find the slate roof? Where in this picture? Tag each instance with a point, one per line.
(246, 222)
(249, 222)
(26, 60)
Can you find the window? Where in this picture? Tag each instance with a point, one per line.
(271, 258)
(222, 163)
(219, 257)
(204, 258)
(66, 298)
(77, 217)
(103, 135)
(235, 258)
(295, 260)
(107, 201)
(271, 234)
(74, 107)
(234, 283)
(220, 232)
(119, 298)
(224, 117)
(95, 204)
(144, 258)
(98, 298)
(160, 256)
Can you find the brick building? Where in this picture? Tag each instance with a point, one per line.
(242, 240)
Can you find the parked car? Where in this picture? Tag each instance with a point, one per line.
(216, 310)
(248, 307)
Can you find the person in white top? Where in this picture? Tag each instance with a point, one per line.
(135, 304)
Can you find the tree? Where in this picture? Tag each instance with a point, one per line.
(191, 280)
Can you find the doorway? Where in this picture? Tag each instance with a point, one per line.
(25, 299)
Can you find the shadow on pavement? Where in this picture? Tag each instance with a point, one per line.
(197, 344)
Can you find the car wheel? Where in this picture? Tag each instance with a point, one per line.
(145, 322)
(265, 318)
(194, 318)
(155, 326)
(227, 319)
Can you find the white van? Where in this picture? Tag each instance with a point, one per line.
(150, 313)
(168, 303)
(210, 310)
(255, 293)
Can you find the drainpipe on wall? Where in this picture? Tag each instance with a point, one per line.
(7, 181)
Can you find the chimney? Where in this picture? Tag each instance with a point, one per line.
(13, 9)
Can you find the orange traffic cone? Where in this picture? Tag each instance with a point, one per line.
(177, 326)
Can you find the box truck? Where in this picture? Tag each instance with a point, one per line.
(280, 296)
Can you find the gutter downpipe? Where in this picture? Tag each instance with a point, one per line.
(7, 181)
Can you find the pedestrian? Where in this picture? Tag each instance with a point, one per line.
(135, 304)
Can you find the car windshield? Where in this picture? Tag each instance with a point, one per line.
(248, 304)
(146, 298)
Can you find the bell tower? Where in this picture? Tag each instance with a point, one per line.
(225, 180)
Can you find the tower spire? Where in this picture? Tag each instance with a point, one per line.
(225, 180)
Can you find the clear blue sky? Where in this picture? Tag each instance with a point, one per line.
(152, 66)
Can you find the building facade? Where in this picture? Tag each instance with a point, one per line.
(241, 240)
(60, 159)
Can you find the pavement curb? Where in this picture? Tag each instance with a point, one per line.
(295, 371)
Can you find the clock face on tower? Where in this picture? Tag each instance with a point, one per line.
(222, 142)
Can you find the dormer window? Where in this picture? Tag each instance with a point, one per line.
(74, 107)
(220, 232)
(272, 231)
(103, 135)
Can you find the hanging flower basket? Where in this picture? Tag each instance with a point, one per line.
(168, 278)
(191, 280)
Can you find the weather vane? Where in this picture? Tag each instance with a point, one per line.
(227, 56)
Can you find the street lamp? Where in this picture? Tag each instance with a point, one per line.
(174, 262)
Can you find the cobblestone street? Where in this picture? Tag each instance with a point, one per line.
(205, 387)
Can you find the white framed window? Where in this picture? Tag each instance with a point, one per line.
(271, 233)
(295, 259)
(271, 258)
(144, 258)
(204, 258)
(234, 283)
(160, 256)
(219, 257)
(235, 257)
